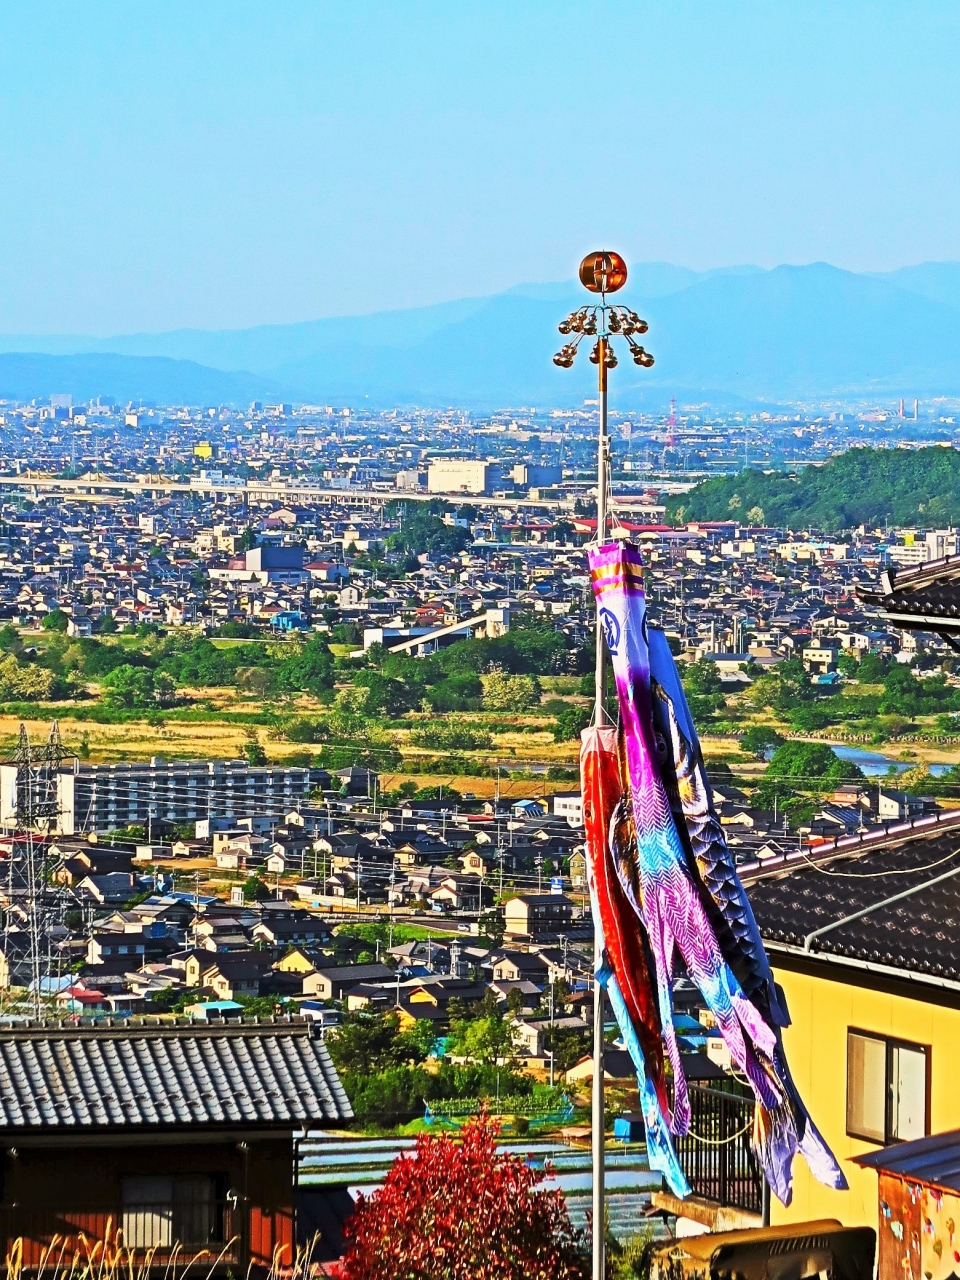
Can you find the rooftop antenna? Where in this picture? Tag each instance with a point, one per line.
(602, 272)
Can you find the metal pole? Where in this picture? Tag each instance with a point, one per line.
(600, 710)
(600, 714)
(597, 1136)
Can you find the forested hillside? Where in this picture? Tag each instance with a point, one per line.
(865, 486)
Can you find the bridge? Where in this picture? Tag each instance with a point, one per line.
(95, 487)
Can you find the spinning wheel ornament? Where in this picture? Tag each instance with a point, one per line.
(603, 272)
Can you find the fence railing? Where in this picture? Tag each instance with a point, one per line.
(193, 1229)
(716, 1154)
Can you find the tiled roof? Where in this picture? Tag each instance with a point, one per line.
(919, 933)
(69, 1078)
(928, 591)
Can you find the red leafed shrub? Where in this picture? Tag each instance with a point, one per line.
(459, 1211)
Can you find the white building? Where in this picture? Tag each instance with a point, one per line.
(104, 797)
(462, 475)
(569, 805)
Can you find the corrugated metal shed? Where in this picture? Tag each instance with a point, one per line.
(81, 1078)
(934, 1161)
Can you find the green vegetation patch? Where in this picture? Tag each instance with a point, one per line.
(862, 486)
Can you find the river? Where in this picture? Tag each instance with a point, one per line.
(875, 763)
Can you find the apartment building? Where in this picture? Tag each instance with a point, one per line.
(103, 797)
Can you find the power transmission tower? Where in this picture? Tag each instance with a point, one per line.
(37, 809)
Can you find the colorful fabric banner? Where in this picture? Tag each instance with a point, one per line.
(653, 824)
(777, 1135)
(626, 972)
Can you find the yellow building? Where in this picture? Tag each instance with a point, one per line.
(855, 1048)
(866, 947)
(295, 961)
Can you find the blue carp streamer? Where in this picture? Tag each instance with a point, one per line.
(680, 889)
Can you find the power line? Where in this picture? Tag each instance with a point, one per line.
(876, 875)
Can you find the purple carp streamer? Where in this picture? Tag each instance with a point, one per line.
(777, 1135)
(677, 875)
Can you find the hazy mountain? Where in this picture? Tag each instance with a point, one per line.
(938, 281)
(28, 375)
(739, 333)
(799, 331)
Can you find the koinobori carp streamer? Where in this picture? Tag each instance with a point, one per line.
(653, 833)
(626, 973)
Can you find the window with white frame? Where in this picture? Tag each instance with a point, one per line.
(887, 1088)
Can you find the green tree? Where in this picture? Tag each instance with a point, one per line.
(55, 620)
(781, 688)
(485, 1040)
(455, 693)
(811, 764)
(873, 668)
(701, 678)
(387, 697)
(24, 682)
(10, 639)
(808, 718)
(255, 890)
(862, 486)
(570, 722)
(309, 670)
(503, 692)
(451, 736)
(514, 1000)
(423, 531)
(848, 664)
(138, 687)
(703, 689)
(366, 1042)
(492, 926)
(759, 739)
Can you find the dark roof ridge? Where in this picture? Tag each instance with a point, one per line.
(143, 1030)
(873, 840)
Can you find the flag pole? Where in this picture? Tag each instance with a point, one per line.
(597, 1110)
(601, 273)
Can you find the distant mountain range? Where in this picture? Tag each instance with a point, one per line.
(158, 379)
(732, 335)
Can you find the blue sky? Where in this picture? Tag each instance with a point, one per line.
(227, 164)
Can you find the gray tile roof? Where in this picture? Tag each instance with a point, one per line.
(80, 1078)
(917, 933)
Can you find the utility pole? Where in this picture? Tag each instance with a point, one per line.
(393, 883)
(601, 273)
